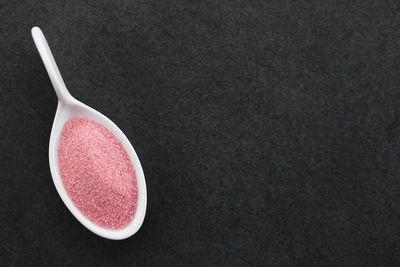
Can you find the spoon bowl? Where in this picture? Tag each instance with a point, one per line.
(68, 107)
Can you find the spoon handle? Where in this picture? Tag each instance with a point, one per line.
(48, 60)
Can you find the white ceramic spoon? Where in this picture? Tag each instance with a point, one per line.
(68, 107)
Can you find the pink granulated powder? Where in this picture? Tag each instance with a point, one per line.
(97, 173)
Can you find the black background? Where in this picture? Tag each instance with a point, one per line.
(268, 131)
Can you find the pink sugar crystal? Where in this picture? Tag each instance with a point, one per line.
(97, 173)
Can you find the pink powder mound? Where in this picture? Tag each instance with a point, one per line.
(97, 173)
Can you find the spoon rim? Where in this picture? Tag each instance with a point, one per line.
(63, 114)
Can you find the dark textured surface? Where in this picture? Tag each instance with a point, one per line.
(268, 132)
